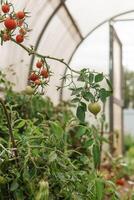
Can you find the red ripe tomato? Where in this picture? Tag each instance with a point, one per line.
(20, 14)
(37, 82)
(44, 73)
(6, 37)
(5, 8)
(33, 76)
(39, 64)
(19, 38)
(120, 181)
(10, 23)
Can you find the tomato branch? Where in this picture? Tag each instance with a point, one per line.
(10, 130)
(31, 51)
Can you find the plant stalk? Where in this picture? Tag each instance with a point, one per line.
(31, 51)
(10, 130)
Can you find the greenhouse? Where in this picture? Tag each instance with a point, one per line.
(66, 100)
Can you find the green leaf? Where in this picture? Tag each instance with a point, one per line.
(96, 86)
(80, 113)
(91, 78)
(14, 185)
(76, 91)
(104, 94)
(83, 76)
(96, 155)
(75, 100)
(99, 183)
(88, 96)
(56, 130)
(52, 157)
(21, 124)
(111, 183)
(99, 77)
(83, 70)
(81, 131)
(88, 143)
(19, 194)
(83, 105)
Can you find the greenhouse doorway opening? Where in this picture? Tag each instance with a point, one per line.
(97, 52)
(124, 29)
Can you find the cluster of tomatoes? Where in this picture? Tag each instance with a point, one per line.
(14, 23)
(16, 28)
(40, 76)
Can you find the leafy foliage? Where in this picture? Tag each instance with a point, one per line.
(55, 152)
(91, 90)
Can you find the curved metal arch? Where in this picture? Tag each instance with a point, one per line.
(62, 3)
(88, 34)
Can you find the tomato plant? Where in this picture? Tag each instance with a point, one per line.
(46, 151)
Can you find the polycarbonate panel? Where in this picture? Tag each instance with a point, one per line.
(88, 14)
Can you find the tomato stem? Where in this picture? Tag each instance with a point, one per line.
(32, 52)
(10, 130)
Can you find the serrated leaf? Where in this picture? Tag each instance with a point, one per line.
(80, 113)
(99, 78)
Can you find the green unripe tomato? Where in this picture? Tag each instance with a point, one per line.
(29, 90)
(94, 108)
